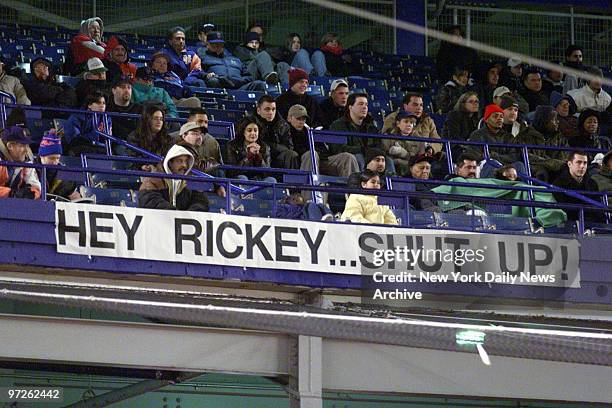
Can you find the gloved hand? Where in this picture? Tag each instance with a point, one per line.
(22, 192)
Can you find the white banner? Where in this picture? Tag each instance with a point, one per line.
(356, 249)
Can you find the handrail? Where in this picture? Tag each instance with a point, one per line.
(404, 195)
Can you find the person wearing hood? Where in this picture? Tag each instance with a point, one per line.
(452, 90)
(117, 60)
(43, 90)
(12, 85)
(183, 61)
(488, 83)
(17, 182)
(604, 177)
(258, 62)
(94, 79)
(451, 54)
(143, 91)
(172, 194)
(565, 108)
(588, 132)
(87, 43)
(573, 59)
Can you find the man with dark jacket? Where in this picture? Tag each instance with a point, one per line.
(121, 102)
(117, 60)
(604, 177)
(356, 120)
(94, 79)
(296, 95)
(333, 107)
(275, 131)
(222, 70)
(43, 90)
(172, 194)
(532, 90)
(575, 177)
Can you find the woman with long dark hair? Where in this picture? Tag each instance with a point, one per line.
(151, 133)
(247, 150)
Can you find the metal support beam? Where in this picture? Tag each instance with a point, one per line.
(41, 14)
(131, 391)
(305, 382)
(177, 15)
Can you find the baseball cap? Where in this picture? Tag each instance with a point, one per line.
(121, 81)
(514, 62)
(402, 114)
(189, 126)
(336, 83)
(16, 134)
(215, 37)
(95, 65)
(206, 28)
(501, 90)
(145, 73)
(298, 111)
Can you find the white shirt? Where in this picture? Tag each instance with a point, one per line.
(586, 98)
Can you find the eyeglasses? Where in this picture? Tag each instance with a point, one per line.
(473, 101)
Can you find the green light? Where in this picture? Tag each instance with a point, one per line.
(469, 337)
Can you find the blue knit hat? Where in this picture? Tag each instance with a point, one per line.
(50, 144)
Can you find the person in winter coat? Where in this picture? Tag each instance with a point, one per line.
(331, 58)
(17, 182)
(568, 123)
(94, 80)
(276, 132)
(117, 60)
(80, 131)
(151, 133)
(87, 44)
(291, 55)
(588, 132)
(172, 194)
(296, 95)
(221, 70)
(183, 61)
(169, 81)
(462, 121)
(425, 126)
(451, 91)
(451, 54)
(487, 84)
(50, 152)
(400, 151)
(247, 150)
(43, 90)
(143, 91)
(361, 208)
(258, 62)
(12, 85)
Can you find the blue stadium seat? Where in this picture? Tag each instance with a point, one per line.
(71, 81)
(238, 105)
(226, 115)
(315, 90)
(99, 180)
(244, 96)
(110, 196)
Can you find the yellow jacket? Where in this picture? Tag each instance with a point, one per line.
(365, 209)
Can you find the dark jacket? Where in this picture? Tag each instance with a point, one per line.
(80, 135)
(566, 181)
(354, 144)
(448, 96)
(534, 99)
(604, 179)
(170, 194)
(288, 98)
(275, 132)
(459, 125)
(509, 80)
(330, 112)
(237, 155)
(501, 154)
(452, 55)
(299, 139)
(56, 186)
(49, 92)
(585, 140)
(122, 127)
(88, 86)
(226, 67)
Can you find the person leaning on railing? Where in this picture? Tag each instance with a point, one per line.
(361, 208)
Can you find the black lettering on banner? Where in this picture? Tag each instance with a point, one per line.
(367, 248)
(314, 246)
(437, 265)
(503, 258)
(280, 243)
(255, 240)
(95, 228)
(209, 238)
(62, 228)
(130, 232)
(179, 236)
(222, 227)
(533, 261)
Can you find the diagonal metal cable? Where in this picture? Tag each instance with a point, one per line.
(430, 32)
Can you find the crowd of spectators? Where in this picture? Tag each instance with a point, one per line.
(489, 101)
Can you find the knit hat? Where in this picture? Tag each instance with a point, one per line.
(51, 144)
(295, 75)
(420, 158)
(556, 98)
(251, 36)
(508, 101)
(372, 153)
(15, 134)
(490, 109)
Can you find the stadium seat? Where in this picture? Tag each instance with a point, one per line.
(110, 196)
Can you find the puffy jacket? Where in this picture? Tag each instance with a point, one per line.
(18, 182)
(80, 135)
(425, 127)
(142, 93)
(365, 209)
(226, 66)
(172, 83)
(13, 86)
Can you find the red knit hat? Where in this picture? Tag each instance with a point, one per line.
(490, 109)
(295, 75)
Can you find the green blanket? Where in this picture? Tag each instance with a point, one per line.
(547, 217)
